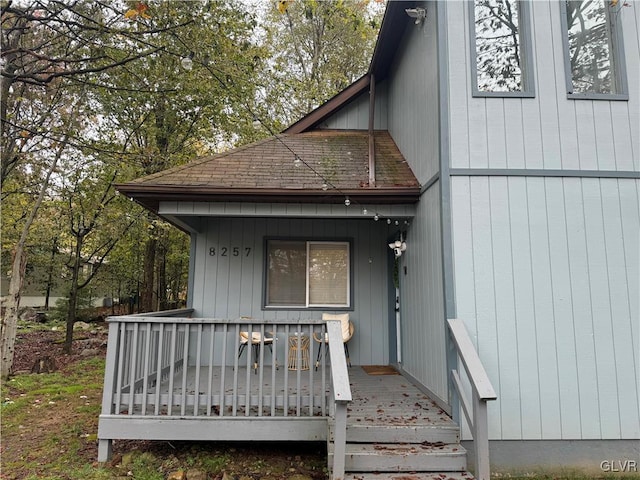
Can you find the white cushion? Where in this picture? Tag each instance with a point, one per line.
(344, 321)
(255, 337)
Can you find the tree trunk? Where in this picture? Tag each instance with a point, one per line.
(54, 249)
(73, 295)
(9, 323)
(146, 295)
(10, 317)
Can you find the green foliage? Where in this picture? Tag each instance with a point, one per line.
(145, 467)
(317, 49)
(60, 311)
(213, 463)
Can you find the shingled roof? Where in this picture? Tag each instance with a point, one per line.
(333, 164)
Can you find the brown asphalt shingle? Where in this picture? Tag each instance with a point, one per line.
(338, 157)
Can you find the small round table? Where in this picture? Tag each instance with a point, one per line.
(300, 343)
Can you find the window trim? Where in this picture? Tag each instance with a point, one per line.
(620, 67)
(307, 307)
(528, 77)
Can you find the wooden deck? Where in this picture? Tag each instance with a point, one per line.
(377, 399)
(391, 400)
(380, 399)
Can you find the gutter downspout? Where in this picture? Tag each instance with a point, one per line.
(372, 149)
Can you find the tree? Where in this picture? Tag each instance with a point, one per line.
(90, 87)
(94, 229)
(47, 47)
(318, 48)
(196, 97)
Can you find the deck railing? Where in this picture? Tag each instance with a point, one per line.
(481, 392)
(341, 390)
(168, 376)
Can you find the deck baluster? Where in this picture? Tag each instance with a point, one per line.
(212, 338)
(196, 392)
(158, 367)
(145, 368)
(172, 367)
(223, 390)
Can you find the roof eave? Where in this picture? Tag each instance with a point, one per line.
(150, 196)
(391, 31)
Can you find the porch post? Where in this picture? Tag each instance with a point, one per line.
(339, 440)
(481, 438)
(113, 340)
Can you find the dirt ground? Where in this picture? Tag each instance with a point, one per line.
(49, 427)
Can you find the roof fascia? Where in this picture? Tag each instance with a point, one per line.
(330, 106)
(392, 30)
(150, 195)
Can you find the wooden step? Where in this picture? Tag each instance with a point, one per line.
(402, 457)
(410, 476)
(363, 433)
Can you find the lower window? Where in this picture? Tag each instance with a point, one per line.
(308, 274)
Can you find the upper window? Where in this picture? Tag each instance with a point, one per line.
(307, 274)
(501, 62)
(593, 49)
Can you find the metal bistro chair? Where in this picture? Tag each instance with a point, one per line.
(256, 343)
(348, 329)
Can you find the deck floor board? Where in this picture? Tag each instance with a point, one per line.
(391, 400)
(377, 399)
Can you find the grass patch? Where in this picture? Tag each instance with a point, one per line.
(566, 474)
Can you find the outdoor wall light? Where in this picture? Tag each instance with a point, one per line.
(398, 247)
(418, 13)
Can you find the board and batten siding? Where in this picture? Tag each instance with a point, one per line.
(413, 110)
(547, 275)
(413, 119)
(422, 298)
(231, 287)
(548, 131)
(355, 115)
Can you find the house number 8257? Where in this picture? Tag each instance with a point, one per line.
(229, 251)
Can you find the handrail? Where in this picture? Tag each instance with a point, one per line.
(341, 396)
(482, 392)
(166, 318)
(176, 312)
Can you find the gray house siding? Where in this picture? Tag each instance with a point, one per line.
(421, 302)
(231, 287)
(413, 98)
(546, 266)
(548, 283)
(548, 131)
(355, 116)
(414, 125)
